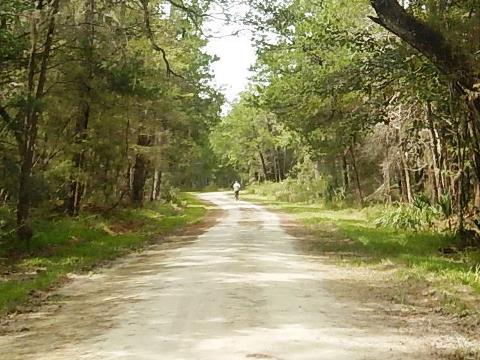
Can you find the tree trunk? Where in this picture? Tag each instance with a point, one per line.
(437, 183)
(30, 125)
(387, 164)
(445, 55)
(276, 170)
(460, 180)
(477, 195)
(279, 165)
(357, 177)
(345, 172)
(406, 176)
(264, 166)
(156, 185)
(81, 126)
(76, 185)
(140, 171)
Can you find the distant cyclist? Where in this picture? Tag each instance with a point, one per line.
(236, 189)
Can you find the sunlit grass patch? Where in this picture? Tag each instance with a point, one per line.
(64, 245)
(415, 254)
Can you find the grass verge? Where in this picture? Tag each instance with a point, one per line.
(64, 245)
(350, 237)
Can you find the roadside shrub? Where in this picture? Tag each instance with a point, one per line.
(7, 222)
(418, 215)
(171, 195)
(292, 190)
(446, 205)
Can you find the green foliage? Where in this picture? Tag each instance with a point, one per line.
(445, 205)
(107, 84)
(346, 87)
(291, 190)
(418, 215)
(254, 143)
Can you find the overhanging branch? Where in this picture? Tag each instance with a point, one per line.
(151, 38)
(448, 58)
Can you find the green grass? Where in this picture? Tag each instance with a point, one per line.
(351, 236)
(65, 245)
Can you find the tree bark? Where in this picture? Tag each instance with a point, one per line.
(345, 172)
(264, 166)
(81, 126)
(275, 167)
(30, 124)
(357, 177)
(156, 185)
(460, 179)
(76, 185)
(279, 165)
(447, 57)
(406, 174)
(140, 171)
(437, 183)
(477, 195)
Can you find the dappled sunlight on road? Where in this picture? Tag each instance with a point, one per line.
(238, 291)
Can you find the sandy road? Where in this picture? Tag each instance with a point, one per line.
(239, 291)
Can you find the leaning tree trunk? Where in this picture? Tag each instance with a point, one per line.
(444, 54)
(264, 165)
(30, 124)
(447, 56)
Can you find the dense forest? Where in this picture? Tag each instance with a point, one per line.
(365, 102)
(110, 103)
(103, 103)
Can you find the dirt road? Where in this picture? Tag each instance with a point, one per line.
(239, 291)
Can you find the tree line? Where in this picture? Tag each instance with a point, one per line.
(106, 102)
(379, 100)
(102, 102)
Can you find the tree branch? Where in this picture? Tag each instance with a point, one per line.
(447, 57)
(151, 38)
(11, 124)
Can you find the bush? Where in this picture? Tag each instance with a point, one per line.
(418, 215)
(446, 205)
(292, 190)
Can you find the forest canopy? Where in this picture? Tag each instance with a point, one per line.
(364, 101)
(110, 103)
(102, 102)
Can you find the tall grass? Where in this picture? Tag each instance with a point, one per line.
(308, 190)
